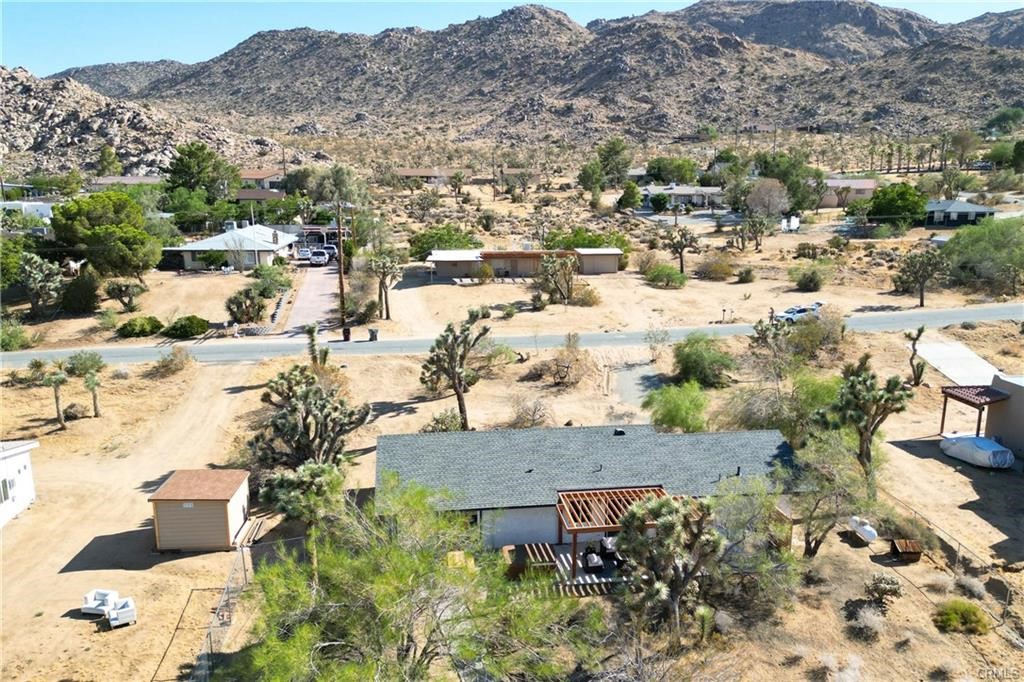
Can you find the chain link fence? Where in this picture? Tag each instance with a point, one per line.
(220, 628)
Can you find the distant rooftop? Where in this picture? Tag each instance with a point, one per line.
(201, 484)
(957, 206)
(505, 469)
(251, 238)
(259, 173)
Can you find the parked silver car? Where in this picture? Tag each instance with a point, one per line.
(800, 312)
(318, 257)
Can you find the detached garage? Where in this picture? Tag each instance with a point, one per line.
(201, 509)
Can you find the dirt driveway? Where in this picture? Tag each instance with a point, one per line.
(90, 528)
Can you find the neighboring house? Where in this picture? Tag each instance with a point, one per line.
(637, 174)
(430, 175)
(450, 264)
(40, 209)
(262, 178)
(259, 195)
(245, 247)
(17, 487)
(954, 213)
(201, 509)
(1005, 421)
(105, 182)
(510, 481)
(841, 191)
(683, 195)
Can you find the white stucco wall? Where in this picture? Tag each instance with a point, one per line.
(19, 489)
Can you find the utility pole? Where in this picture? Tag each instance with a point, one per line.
(284, 166)
(338, 208)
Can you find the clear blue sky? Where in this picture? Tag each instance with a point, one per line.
(46, 37)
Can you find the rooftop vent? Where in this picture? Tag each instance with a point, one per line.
(619, 432)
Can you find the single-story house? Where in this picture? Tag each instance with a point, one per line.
(636, 174)
(456, 263)
(245, 247)
(262, 178)
(841, 191)
(40, 209)
(201, 509)
(17, 487)
(105, 182)
(954, 213)
(259, 195)
(682, 195)
(1005, 422)
(510, 482)
(434, 174)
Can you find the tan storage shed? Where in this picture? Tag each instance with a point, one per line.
(598, 261)
(201, 509)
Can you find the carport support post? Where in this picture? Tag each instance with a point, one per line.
(574, 556)
(942, 424)
(977, 429)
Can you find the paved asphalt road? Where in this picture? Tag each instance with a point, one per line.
(250, 350)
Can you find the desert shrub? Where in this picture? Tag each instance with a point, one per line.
(37, 370)
(482, 313)
(882, 587)
(106, 319)
(947, 670)
(546, 200)
(443, 422)
(745, 276)
(665, 276)
(483, 272)
(75, 411)
(587, 297)
(265, 288)
(187, 327)
(700, 358)
(84, 361)
(883, 231)
(810, 280)
(716, 266)
(892, 524)
(120, 374)
(940, 583)
(645, 260)
(82, 294)
(537, 301)
(279, 261)
(869, 623)
(146, 325)
(508, 312)
(968, 325)
(959, 615)
(245, 306)
(13, 335)
(367, 313)
(837, 242)
(809, 336)
(808, 250)
(271, 276)
(971, 586)
(172, 362)
(213, 259)
(570, 364)
(529, 414)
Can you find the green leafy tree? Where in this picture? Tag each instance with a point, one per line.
(832, 488)
(299, 180)
(163, 230)
(793, 172)
(56, 381)
(668, 169)
(897, 203)
(1018, 156)
(700, 358)
(789, 405)
(989, 253)
(446, 363)
(614, 157)
(43, 282)
(919, 268)
(11, 250)
(767, 197)
(196, 166)
(591, 176)
(663, 566)
(122, 251)
(964, 143)
(81, 295)
(1006, 120)
(677, 408)
(74, 220)
(1000, 154)
(659, 202)
(864, 405)
(630, 197)
(108, 163)
(441, 237)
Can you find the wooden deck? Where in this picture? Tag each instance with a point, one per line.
(563, 566)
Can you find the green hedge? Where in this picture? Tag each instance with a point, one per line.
(147, 325)
(187, 327)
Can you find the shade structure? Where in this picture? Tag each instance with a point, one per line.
(978, 397)
(599, 511)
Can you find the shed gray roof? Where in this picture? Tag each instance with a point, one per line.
(505, 469)
(957, 206)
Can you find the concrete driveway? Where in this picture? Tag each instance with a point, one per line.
(316, 299)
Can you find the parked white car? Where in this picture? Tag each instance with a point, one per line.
(302, 254)
(332, 251)
(800, 312)
(318, 257)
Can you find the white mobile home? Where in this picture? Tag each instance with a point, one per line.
(17, 487)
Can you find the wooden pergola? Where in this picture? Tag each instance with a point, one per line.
(978, 397)
(597, 511)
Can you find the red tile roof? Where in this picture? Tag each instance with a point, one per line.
(201, 484)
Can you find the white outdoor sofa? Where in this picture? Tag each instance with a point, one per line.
(122, 612)
(98, 602)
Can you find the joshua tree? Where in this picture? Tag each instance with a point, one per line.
(386, 269)
(317, 353)
(446, 362)
(55, 380)
(92, 384)
(916, 366)
(678, 240)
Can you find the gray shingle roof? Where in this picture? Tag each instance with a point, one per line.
(957, 206)
(505, 469)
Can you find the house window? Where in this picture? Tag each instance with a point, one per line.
(951, 216)
(4, 494)
(187, 505)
